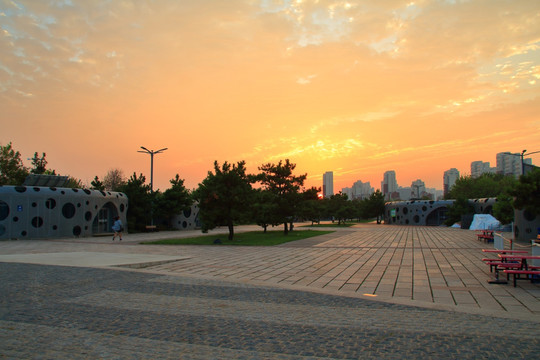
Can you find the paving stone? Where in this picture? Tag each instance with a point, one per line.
(251, 303)
(67, 312)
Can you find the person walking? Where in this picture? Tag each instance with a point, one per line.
(117, 227)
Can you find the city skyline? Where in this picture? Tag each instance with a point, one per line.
(507, 163)
(357, 88)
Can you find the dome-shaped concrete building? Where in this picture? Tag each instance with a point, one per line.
(36, 212)
(433, 213)
(416, 212)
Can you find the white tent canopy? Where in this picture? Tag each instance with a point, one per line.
(484, 222)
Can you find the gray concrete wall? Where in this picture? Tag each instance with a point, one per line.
(187, 220)
(526, 225)
(416, 212)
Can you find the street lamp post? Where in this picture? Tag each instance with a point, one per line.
(522, 162)
(152, 153)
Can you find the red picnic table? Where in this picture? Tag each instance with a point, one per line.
(486, 235)
(524, 268)
(501, 264)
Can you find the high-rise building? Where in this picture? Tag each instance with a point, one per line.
(362, 190)
(347, 191)
(389, 184)
(418, 188)
(405, 193)
(510, 163)
(479, 167)
(328, 184)
(359, 190)
(449, 179)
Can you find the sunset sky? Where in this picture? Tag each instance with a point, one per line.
(353, 87)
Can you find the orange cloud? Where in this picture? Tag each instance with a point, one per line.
(362, 87)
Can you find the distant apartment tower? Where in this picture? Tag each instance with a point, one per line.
(449, 179)
(359, 190)
(362, 190)
(328, 184)
(510, 163)
(389, 184)
(479, 167)
(418, 189)
(347, 191)
(404, 193)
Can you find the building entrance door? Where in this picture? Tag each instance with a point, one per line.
(102, 221)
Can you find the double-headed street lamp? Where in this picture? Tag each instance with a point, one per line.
(522, 162)
(151, 152)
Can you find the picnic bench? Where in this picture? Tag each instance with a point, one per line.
(517, 274)
(524, 269)
(493, 262)
(498, 264)
(486, 235)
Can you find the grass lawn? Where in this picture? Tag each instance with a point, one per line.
(253, 238)
(335, 224)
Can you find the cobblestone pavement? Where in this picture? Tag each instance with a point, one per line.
(368, 292)
(53, 312)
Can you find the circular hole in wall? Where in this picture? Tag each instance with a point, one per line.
(68, 210)
(2, 230)
(405, 210)
(4, 210)
(50, 203)
(77, 230)
(20, 189)
(416, 219)
(15, 219)
(37, 222)
(88, 216)
(187, 212)
(23, 233)
(122, 207)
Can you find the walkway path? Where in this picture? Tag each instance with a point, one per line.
(365, 292)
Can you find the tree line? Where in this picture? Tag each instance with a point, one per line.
(228, 196)
(511, 193)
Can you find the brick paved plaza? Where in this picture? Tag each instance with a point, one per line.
(365, 292)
